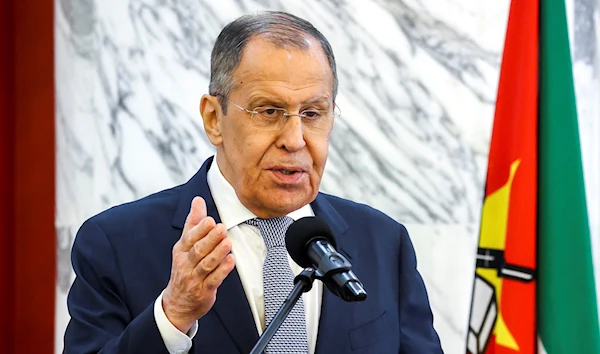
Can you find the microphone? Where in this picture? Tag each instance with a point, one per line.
(311, 244)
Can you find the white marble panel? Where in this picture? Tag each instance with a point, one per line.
(584, 28)
(446, 260)
(417, 88)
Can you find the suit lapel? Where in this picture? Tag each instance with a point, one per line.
(231, 306)
(234, 312)
(331, 308)
(323, 209)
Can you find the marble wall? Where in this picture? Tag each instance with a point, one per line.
(417, 88)
(584, 27)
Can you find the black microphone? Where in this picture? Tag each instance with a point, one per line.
(310, 243)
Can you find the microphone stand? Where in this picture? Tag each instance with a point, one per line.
(302, 283)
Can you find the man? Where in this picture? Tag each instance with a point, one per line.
(200, 268)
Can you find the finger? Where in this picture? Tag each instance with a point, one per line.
(205, 245)
(196, 233)
(196, 214)
(216, 277)
(213, 259)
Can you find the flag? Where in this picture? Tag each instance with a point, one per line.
(503, 309)
(568, 315)
(534, 209)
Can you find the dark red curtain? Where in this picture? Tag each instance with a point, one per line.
(27, 176)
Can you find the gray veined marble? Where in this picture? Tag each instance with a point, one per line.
(584, 16)
(417, 88)
(152, 68)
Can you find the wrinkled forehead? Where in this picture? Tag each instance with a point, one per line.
(284, 66)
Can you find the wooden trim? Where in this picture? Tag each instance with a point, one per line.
(34, 236)
(6, 174)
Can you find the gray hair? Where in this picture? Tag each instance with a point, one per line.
(279, 28)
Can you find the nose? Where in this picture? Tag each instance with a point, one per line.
(291, 136)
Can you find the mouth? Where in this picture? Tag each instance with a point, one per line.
(288, 175)
(287, 172)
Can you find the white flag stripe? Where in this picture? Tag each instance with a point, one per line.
(541, 349)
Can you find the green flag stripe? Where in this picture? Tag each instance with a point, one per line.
(567, 309)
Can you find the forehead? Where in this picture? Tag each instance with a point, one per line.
(284, 69)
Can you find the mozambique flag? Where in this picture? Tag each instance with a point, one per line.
(534, 271)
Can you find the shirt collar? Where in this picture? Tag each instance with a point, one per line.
(231, 210)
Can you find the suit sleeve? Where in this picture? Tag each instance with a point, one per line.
(417, 334)
(100, 320)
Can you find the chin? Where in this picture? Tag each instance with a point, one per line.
(286, 202)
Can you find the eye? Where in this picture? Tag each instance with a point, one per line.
(269, 112)
(312, 114)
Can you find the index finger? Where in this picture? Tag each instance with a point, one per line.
(196, 214)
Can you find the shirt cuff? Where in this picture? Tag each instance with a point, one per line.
(176, 341)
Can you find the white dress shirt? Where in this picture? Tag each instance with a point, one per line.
(250, 253)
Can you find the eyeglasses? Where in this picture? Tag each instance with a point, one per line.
(270, 118)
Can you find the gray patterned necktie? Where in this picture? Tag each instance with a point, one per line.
(278, 281)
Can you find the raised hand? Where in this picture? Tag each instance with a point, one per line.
(201, 261)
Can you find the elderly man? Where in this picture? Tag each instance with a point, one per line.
(200, 269)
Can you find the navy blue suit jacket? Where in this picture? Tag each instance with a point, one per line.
(122, 262)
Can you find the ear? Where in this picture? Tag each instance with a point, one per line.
(210, 110)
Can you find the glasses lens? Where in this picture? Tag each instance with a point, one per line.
(268, 118)
(274, 118)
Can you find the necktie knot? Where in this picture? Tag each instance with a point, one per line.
(272, 230)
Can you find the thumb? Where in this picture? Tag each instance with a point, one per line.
(196, 214)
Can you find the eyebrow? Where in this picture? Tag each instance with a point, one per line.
(320, 100)
(261, 100)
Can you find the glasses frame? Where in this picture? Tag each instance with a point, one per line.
(285, 112)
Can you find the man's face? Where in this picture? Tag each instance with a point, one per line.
(273, 172)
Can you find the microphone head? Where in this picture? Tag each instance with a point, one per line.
(302, 232)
